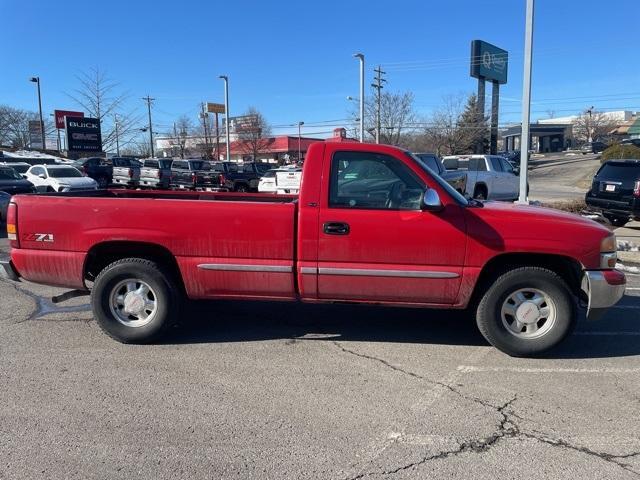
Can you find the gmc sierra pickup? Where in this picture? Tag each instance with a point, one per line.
(370, 225)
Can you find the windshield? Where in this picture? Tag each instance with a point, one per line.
(200, 165)
(20, 168)
(262, 167)
(620, 170)
(67, 172)
(9, 174)
(443, 183)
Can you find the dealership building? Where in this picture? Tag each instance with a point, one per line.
(556, 134)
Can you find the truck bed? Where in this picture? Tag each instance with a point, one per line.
(202, 231)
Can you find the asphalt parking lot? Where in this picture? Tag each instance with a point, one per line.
(256, 390)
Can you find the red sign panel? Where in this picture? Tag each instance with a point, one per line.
(60, 114)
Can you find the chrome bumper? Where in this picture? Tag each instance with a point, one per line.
(600, 294)
(9, 269)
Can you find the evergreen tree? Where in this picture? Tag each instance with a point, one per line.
(474, 128)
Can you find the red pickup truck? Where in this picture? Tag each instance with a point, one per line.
(371, 224)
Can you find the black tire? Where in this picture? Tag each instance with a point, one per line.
(489, 312)
(242, 188)
(163, 289)
(480, 193)
(102, 183)
(617, 221)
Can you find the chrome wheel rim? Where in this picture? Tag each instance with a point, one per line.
(133, 302)
(528, 313)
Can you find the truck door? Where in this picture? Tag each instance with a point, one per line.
(512, 180)
(499, 178)
(375, 242)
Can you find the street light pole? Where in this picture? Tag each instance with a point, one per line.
(526, 104)
(226, 114)
(361, 57)
(36, 80)
(299, 142)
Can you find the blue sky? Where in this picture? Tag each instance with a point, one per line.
(293, 59)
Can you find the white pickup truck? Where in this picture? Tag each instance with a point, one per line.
(489, 177)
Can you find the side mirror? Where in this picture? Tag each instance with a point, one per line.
(516, 171)
(42, 175)
(431, 201)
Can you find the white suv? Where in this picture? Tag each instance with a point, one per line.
(59, 178)
(489, 177)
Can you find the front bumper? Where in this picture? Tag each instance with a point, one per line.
(619, 207)
(10, 270)
(603, 289)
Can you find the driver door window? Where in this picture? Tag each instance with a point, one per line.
(361, 180)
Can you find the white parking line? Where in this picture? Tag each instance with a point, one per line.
(609, 334)
(473, 369)
(626, 307)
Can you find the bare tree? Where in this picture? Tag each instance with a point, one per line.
(182, 128)
(396, 116)
(592, 125)
(14, 126)
(254, 135)
(442, 131)
(99, 97)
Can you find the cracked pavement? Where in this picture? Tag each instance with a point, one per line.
(258, 390)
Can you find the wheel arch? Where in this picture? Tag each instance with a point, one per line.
(569, 269)
(103, 254)
(481, 185)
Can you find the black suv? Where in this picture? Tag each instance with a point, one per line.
(240, 177)
(615, 191)
(98, 168)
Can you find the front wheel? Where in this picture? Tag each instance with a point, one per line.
(134, 300)
(526, 311)
(617, 221)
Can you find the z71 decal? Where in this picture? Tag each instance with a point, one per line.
(39, 237)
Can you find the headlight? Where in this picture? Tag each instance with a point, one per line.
(608, 252)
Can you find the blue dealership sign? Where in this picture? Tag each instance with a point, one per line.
(488, 61)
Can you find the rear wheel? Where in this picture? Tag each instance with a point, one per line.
(526, 311)
(242, 188)
(134, 300)
(480, 192)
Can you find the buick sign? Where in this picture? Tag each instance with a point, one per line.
(83, 134)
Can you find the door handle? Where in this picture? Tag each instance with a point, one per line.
(336, 228)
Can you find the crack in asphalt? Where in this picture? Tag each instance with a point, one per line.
(506, 428)
(44, 306)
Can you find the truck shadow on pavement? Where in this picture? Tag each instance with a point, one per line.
(232, 321)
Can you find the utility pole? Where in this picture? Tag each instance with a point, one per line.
(378, 86)
(226, 114)
(590, 129)
(361, 57)
(148, 99)
(526, 104)
(204, 116)
(299, 142)
(217, 139)
(115, 119)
